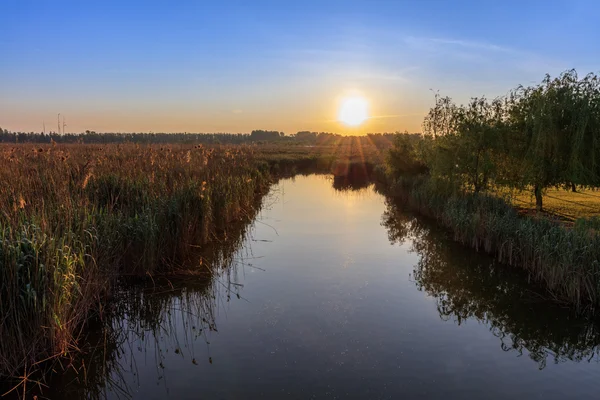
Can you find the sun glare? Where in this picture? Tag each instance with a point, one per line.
(353, 110)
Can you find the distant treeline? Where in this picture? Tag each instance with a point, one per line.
(92, 137)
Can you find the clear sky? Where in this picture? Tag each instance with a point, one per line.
(234, 66)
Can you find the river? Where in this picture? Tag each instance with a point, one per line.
(334, 292)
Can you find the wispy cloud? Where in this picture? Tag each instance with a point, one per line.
(379, 74)
(363, 64)
(466, 50)
(466, 44)
(491, 56)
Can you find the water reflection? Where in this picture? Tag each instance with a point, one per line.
(467, 285)
(159, 321)
(352, 176)
(333, 315)
(344, 183)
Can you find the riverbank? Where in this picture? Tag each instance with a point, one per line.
(565, 260)
(75, 218)
(387, 273)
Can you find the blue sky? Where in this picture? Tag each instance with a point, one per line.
(234, 66)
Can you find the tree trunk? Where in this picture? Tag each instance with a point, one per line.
(573, 188)
(484, 183)
(538, 197)
(475, 186)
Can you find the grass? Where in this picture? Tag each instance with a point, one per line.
(324, 157)
(565, 260)
(565, 204)
(74, 218)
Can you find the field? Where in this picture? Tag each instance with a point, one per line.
(565, 204)
(326, 157)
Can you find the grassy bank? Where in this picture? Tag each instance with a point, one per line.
(467, 286)
(74, 218)
(566, 260)
(148, 311)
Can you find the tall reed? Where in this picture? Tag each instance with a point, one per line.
(565, 260)
(73, 218)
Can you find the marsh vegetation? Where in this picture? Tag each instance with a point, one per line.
(93, 235)
(474, 163)
(77, 218)
(384, 304)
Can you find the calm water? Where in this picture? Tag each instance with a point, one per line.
(338, 294)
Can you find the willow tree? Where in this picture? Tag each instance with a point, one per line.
(438, 147)
(464, 141)
(555, 127)
(480, 129)
(441, 118)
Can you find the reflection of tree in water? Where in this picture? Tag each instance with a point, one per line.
(352, 175)
(344, 183)
(158, 316)
(469, 285)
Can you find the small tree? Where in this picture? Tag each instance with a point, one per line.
(478, 135)
(440, 120)
(404, 158)
(463, 141)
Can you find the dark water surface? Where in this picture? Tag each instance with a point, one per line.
(337, 295)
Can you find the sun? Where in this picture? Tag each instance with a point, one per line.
(353, 111)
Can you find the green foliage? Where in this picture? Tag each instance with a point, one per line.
(441, 118)
(554, 132)
(478, 142)
(75, 218)
(461, 144)
(537, 137)
(404, 158)
(566, 261)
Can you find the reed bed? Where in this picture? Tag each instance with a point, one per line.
(74, 218)
(161, 314)
(566, 260)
